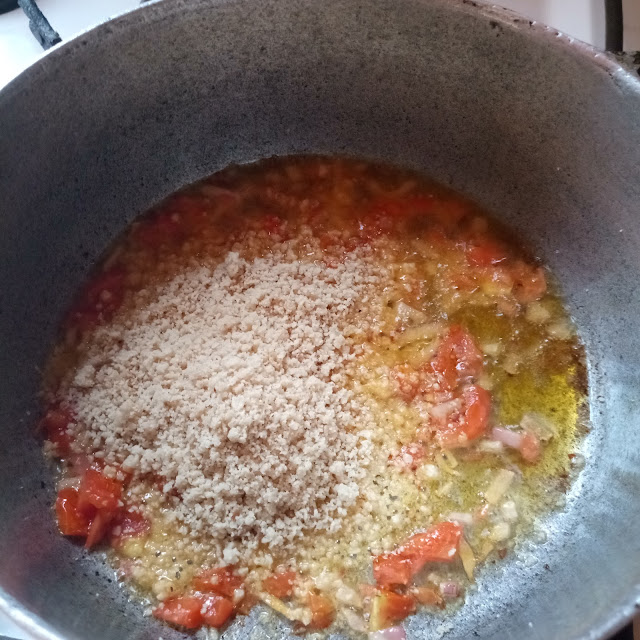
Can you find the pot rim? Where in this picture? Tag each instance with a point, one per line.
(621, 613)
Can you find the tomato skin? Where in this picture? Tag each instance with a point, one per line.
(322, 611)
(476, 415)
(216, 611)
(71, 520)
(438, 544)
(100, 492)
(183, 611)
(98, 529)
(54, 425)
(280, 584)
(457, 358)
(389, 608)
(221, 581)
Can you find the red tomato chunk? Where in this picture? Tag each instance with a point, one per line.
(216, 611)
(100, 491)
(458, 358)
(322, 611)
(71, 521)
(280, 584)
(183, 611)
(438, 544)
(388, 608)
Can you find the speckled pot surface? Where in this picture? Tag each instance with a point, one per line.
(543, 131)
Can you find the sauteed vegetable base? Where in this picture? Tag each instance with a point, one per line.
(320, 384)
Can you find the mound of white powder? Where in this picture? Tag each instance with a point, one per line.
(230, 383)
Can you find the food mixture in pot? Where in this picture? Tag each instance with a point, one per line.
(318, 384)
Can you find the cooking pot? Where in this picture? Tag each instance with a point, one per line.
(542, 130)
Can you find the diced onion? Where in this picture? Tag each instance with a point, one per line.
(460, 517)
(355, 620)
(450, 589)
(490, 446)
(452, 461)
(500, 532)
(539, 425)
(392, 633)
(443, 410)
(277, 605)
(509, 511)
(511, 363)
(69, 483)
(559, 330)
(407, 315)
(499, 486)
(346, 595)
(507, 437)
(467, 557)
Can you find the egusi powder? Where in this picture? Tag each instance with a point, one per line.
(320, 384)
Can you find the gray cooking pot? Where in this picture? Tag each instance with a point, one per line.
(541, 130)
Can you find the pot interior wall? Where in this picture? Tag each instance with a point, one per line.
(543, 133)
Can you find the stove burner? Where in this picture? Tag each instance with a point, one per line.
(39, 25)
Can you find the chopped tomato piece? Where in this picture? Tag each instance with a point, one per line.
(280, 584)
(128, 524)
(438, 544)
(530, 448)
(222, 581)
(71, 520)
(472, 423)
(183, 611)
(486, 252)
(389, 608)
(457, 358)
(98, 529)
(99, 491)
(395, 568)
(217, 610)
(55, 425)
(530, 282)
(476, 414)
(428, 596)
(322, 611)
